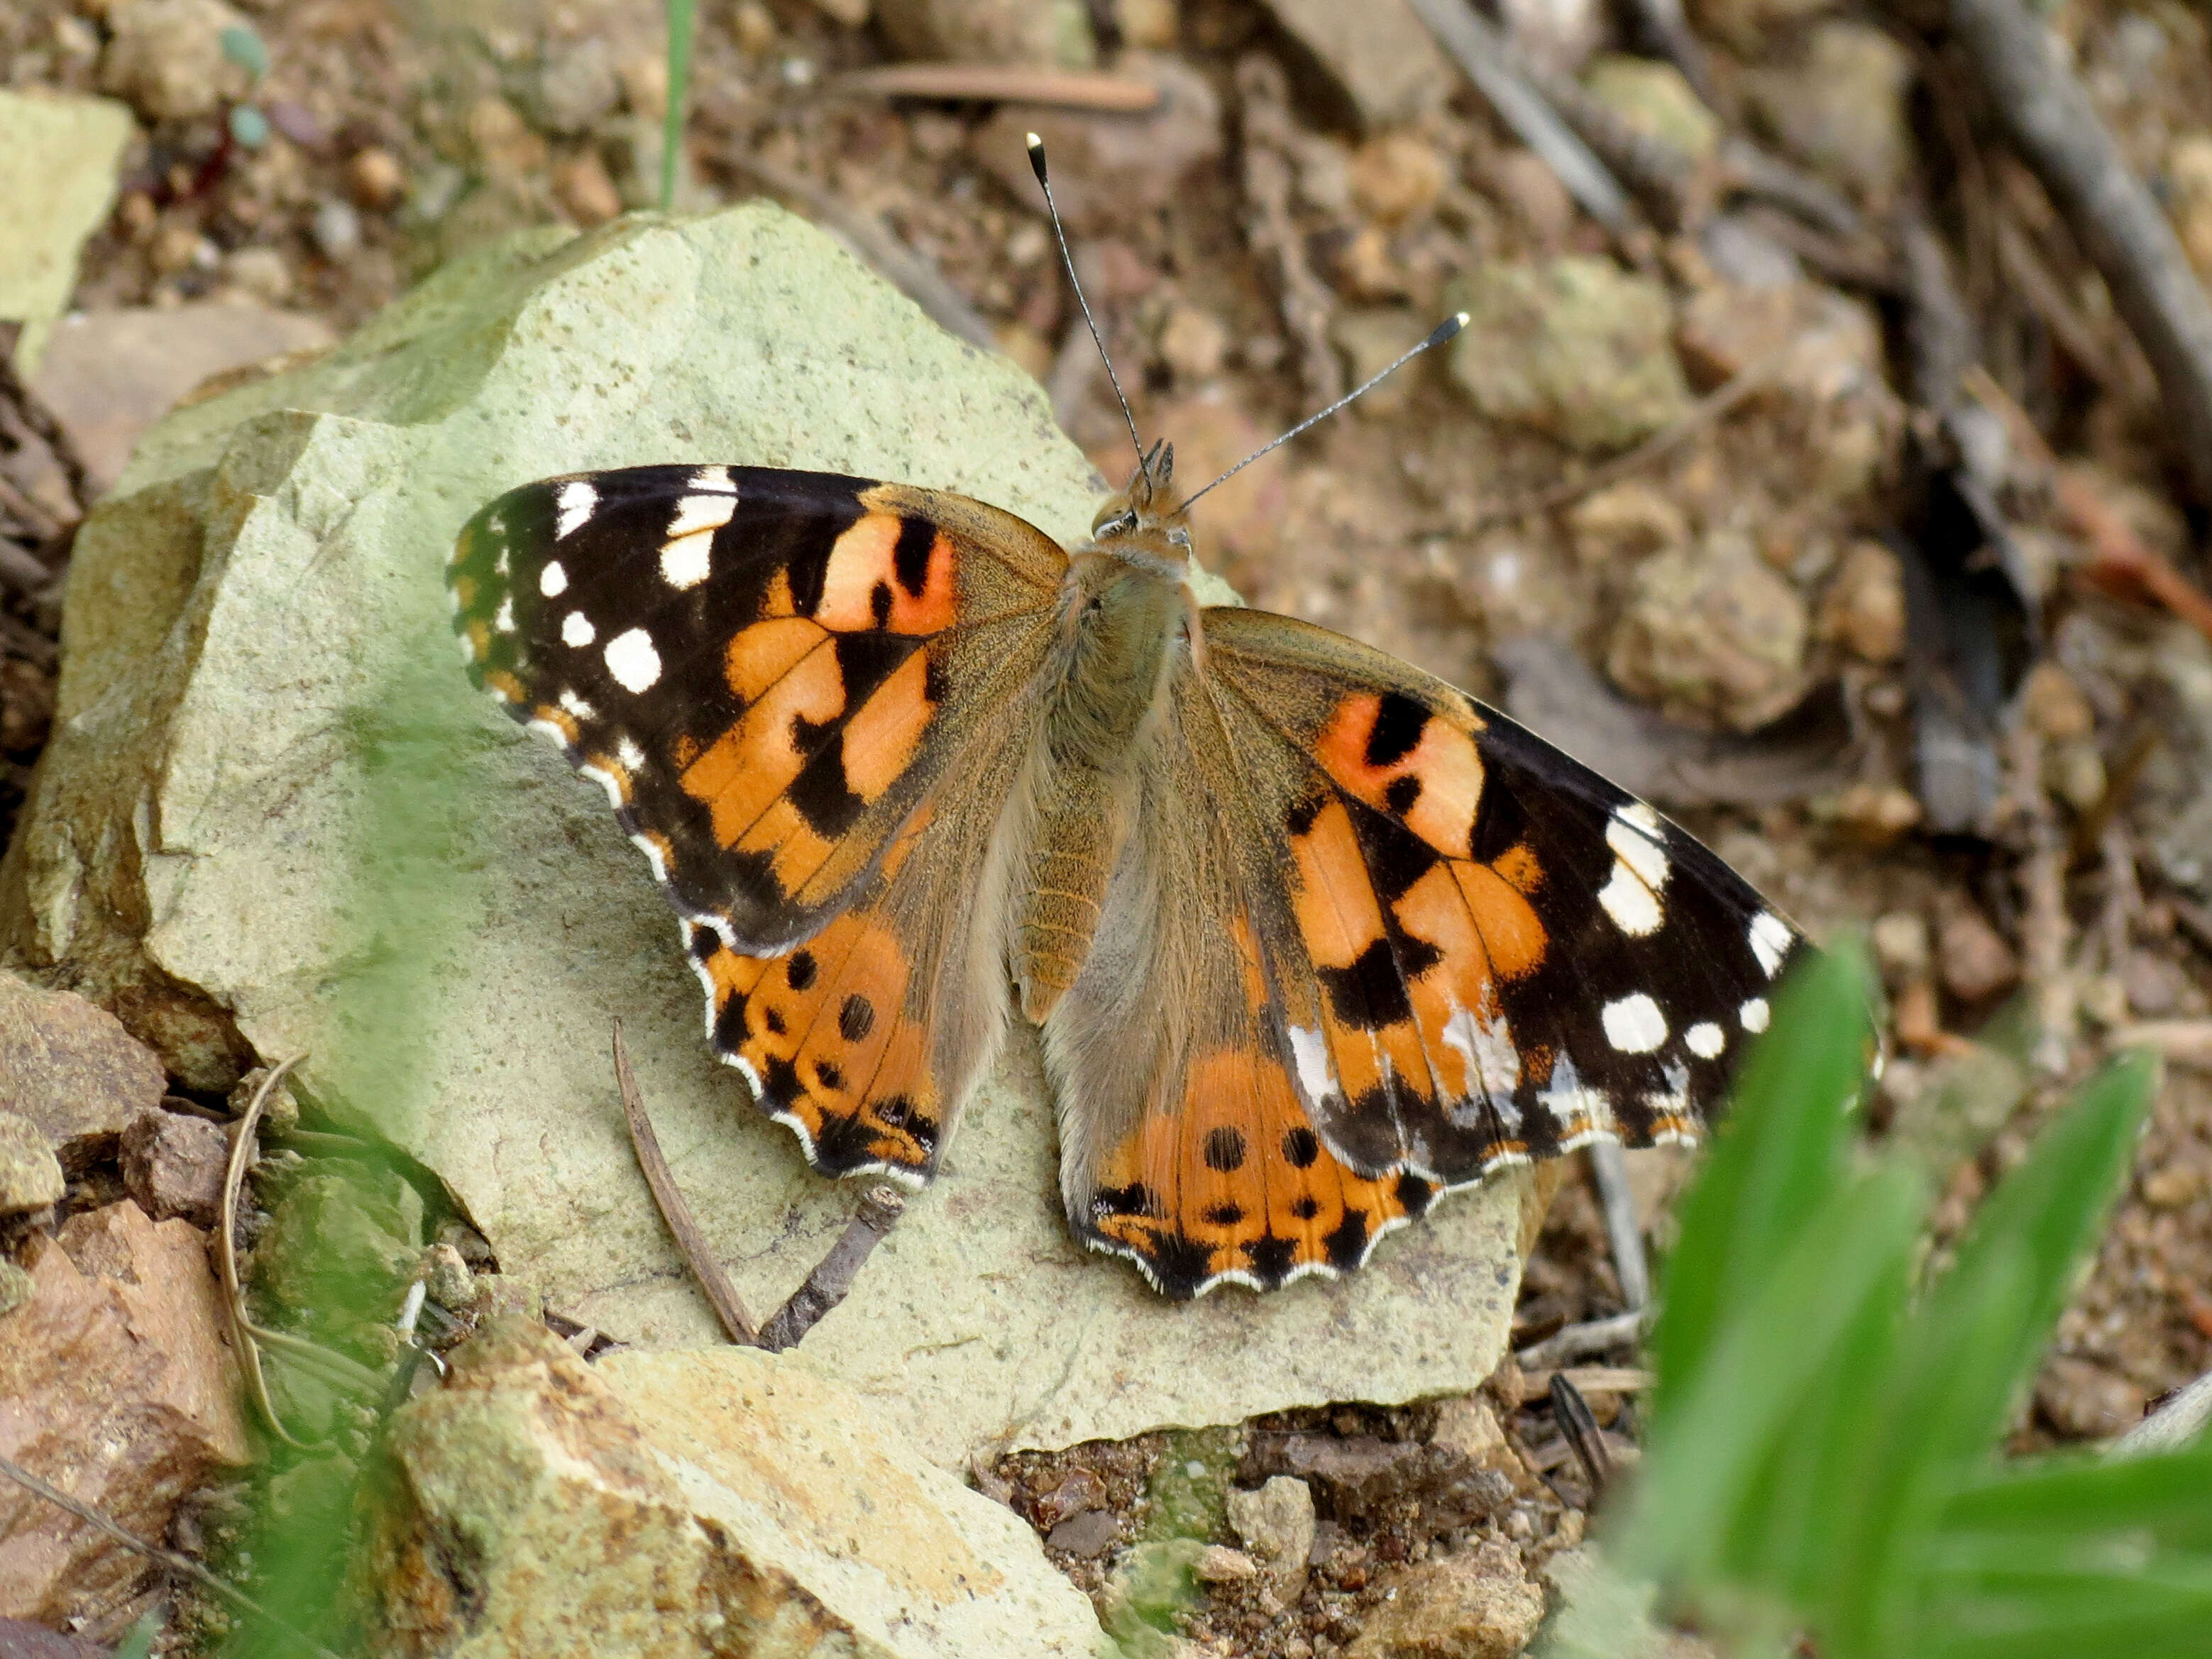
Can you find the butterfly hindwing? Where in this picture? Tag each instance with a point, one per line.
(771, 673)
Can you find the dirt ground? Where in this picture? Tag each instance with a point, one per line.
(397, 136)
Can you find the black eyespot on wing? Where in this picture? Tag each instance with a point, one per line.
(856, 1018)
(1224, 1149)
(1305, 1207)
(1225, 1215)
(1135, 1198)
(1347, 1242)
(771, 1017)
(829, 1076)
(1271, 1258)
(1413, 1192)
(879, 603)
(1397, 728)
(1371, 994)
(1301, 1146)
(798, 969)
(1401, 793)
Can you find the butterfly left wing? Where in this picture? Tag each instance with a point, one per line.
(1374, 942)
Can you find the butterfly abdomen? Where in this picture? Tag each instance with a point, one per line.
(1119, 642)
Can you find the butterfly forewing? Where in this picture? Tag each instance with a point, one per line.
(774, 675)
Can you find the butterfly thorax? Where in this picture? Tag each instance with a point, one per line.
(1127, 618)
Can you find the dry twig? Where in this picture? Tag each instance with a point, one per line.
(1609, 1166)
(2121, 564)
(1018, 83)
(2110, 210)
(233, 1294)
(830, 1283)
(691, 1243)
(1578, 1341)
(182, 1567)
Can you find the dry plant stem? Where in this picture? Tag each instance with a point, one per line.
(690, 1244)
(2023, 267)
(2110, 210)
(2043, 926)
(233, 1295)
(2124, 561)
(1578, 1341)
(1588, 1379)
(1665, 28)
(1714, 405)
(1304, 299)
(182, 1567)
(873, 243)
(1609, 1167)
(881, 1206)
(1490, 61)
(2172, 1425)
(1085, 89)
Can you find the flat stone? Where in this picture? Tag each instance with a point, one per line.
(1276, 1522)
(121, 1392)
(1479, 1604)
(340, 847)
(72, 1069)
(1574, 347)
(1713, 635)
(108, 375)
(1084, 1536)
(174, 1165)
(690, 1503)
(57, 170)
(1379, 57)
(30, 1174)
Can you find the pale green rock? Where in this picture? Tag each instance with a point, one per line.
(270, 788)
(1654, 99)
(1576, 348)
(58, 168)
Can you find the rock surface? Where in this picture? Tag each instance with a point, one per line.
(108, 375)
(732, 1501)
(1109, 170)
(1574, 347)
(172, 1165)
(118, 1390)
(58, 162)
(1378, 57)
(71, 1069)
(1713, 635)
(30, 1174)
(1476, 1605)
(339, 844)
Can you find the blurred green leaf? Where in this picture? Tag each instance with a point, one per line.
(1781, 1150)
(679, 85)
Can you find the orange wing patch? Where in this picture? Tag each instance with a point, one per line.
(821, 1036)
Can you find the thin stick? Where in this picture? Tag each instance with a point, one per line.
(2109, 208)
(1579, 1424)
(182, 1565)
(1609, 1165)
(1588, 1379)
(1085, 89)
(881, 1206)
(691, 1243)
(234, 1296)
(1713, 406)
(1578, 1341)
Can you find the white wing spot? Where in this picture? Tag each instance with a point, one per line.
(1705, 1040)
(576, 630)
(576, 705)
(1754, 1014)
(628, 752)
(716, 480)
(1493, 1064)
(1309, 1051)
(503, 620)
(575, 499)
(632, 661)
(1637, 847)
(1634, 1024)
(1629, 901)
(553, 580)
(694, 513)
(1638, 813)
(684, 564)
(1770, 940)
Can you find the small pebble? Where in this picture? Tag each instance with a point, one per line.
(2056, 705)
(297, 123)
(446, 1277)
(261, 272)
(374, 177)
(586, 189)
(1194, 343)
(2171, 1187)
(1218, 1564)
(1902, 948)
(1972, 956)
(176, 248)
(754, 26)
(336, 229)
(243, 47)
(249, 127)
(1396, 177)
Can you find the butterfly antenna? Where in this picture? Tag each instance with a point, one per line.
(1037, 165)
(1442, 333)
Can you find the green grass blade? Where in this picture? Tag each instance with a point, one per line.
(2170, 1497)
(1708, 1446)
(679, 87)
(1777, 1155)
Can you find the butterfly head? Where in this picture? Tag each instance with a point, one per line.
(1142, 516)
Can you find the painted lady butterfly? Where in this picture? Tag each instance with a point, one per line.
(1309, 936)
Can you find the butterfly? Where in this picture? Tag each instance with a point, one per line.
(1310, 938)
